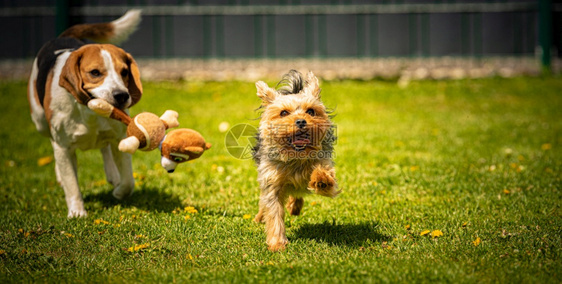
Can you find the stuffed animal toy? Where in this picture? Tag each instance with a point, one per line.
(146, 131)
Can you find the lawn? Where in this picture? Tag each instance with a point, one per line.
(449, 181)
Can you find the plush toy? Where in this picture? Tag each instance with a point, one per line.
(146, 131)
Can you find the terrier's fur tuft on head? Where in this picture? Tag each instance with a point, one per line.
(291, 83)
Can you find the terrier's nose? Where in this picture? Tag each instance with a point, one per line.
(301, 123)
(171, 171)
(121, 97)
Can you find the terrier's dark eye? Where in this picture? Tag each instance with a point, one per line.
(284, 113)
(178, 159)
(310, 112)
(95, 73)
(124, 73)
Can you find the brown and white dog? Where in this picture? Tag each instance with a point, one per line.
(66, 74)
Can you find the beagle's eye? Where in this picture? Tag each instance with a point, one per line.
(95, 73)
(124, 73)
(178, 159)
(310, 112)
(284, 113)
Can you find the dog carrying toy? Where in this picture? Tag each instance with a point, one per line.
(146, 131)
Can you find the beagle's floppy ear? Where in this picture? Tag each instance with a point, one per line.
(135, 86)
(71, 79)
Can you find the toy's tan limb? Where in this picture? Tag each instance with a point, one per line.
(170, 118)
(129, 145)
(105, 109)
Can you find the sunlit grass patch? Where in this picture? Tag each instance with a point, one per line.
(448, 181)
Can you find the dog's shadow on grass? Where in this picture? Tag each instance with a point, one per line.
(353, 235)
(144, 198)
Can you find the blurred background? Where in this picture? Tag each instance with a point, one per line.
(339, 39)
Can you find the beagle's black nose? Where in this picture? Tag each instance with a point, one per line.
(301, 123)
(121, 97)
(171, 171)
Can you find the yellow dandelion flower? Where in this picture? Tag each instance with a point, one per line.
(69, 235)
(477, 242)
(407, 227)
(546, 146)
(138, 176)
(436, 234)
(100, 221)
(138, 247)
(100, 182)
(425, 232)
(506, 191)
(247, 216)
(186, 217)
(190, 209)
(43, 161)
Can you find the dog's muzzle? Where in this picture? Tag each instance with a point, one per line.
(121, 98)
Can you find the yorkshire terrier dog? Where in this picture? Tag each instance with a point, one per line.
(293, 151)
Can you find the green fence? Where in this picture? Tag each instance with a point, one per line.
(383, 29)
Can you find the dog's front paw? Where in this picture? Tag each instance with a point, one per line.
(123, 191)
(77, 213)
(76, 208)
(323, 182)
(277, 244)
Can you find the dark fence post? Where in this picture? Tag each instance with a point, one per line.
(62, 15)
(545, 32)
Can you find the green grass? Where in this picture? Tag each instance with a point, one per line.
(473, 159)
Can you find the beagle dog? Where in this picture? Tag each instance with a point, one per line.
(66, 74)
